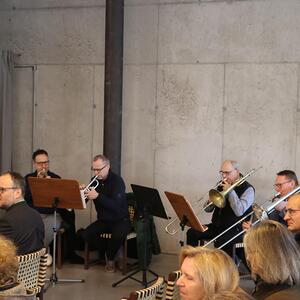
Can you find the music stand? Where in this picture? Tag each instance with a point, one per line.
(56, 193)
(147, 199)
(185, 213)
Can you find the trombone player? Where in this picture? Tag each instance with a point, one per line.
(238, 203)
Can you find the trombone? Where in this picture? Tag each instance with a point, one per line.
(176, 220)
(259, 212)
(215, 197)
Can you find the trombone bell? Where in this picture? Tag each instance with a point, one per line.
(217, 198)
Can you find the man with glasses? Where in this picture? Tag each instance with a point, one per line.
(238, 204)
(292, 215)
(285, 182)
(65, 218)
(20, 223)
(112, 210)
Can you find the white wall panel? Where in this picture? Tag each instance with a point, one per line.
(140, 34)
(22, 120)
(260, 119)
(234, 31)
(188, 131)
(138, 141)
(58, 36)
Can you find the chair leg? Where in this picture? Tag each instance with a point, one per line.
(86, 255)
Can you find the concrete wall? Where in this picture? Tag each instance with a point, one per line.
(203, 81)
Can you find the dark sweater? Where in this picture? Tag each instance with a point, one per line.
(111, 204)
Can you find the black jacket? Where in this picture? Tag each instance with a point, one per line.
(24, 226)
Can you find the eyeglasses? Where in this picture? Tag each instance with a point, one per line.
(279, 185)
(98, 170)
(42, 162)
(226, 172)
(290, 211)
(3, 189)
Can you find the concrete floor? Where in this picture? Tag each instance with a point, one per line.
(98, 283)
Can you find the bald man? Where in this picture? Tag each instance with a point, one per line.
(238, 203)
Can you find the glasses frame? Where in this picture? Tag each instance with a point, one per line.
(290, 211)
(42, 162)
(98, 170)
(226, 172)
(279, 185)
(4, 189)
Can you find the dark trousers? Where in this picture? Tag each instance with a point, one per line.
(118, 230)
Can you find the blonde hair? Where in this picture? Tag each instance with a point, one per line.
(8, 260)
(239, 295)
(272, 253)
(217, 271)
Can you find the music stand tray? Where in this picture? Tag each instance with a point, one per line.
(184, 211)
(56, 193)
(147, 199)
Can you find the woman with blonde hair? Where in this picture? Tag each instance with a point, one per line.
(274, 259)
(9, 269)
(207, 272)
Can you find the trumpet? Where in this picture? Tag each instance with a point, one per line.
(260, 213)
(91, 186)
(42, 173)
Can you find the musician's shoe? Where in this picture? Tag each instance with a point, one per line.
(76, 259)
(110, 266)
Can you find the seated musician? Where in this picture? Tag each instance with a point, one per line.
(112, 209)
(238, 203)
(65, 218)
(285, 182)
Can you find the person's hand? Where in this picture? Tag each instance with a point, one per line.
(246, 225)
(225, 185)
(82, 186)
(92, 194)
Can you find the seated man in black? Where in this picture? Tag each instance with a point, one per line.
(65, 217)
(112, 209)
(20, 223)
(238, 203)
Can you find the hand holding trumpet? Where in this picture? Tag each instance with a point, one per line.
(42, 174)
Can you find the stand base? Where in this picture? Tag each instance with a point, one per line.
(144, 281)
(53, 280)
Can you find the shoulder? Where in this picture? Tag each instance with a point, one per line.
(53, 175)
(286, 294)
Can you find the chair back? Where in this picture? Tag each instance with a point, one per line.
(153, 292)
(172, 292)
(32, 270)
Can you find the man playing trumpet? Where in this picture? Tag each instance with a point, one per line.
(238, 203)
(112, 209)
(65, 218)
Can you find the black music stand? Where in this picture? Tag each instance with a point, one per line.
(56, 193)
(185, 214)
(148, 202)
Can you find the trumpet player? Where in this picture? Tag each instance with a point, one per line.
(112, 210)
(238, 203)
(40, 160)
(285, 182)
